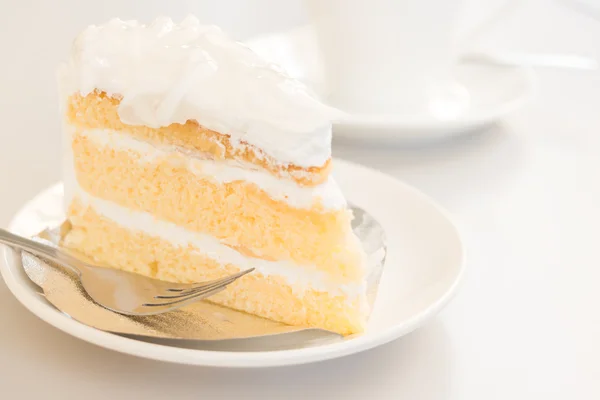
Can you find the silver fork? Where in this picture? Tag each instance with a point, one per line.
(120, 291)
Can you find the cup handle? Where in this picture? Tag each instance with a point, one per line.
(505, 10)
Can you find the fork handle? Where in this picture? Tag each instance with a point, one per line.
(40, 250)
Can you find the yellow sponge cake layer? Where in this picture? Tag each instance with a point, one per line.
(271, 295)
(100, 111)
(239, 213)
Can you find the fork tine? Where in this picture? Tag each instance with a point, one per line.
(202, 285)
(222, 282)
(197, 296)
(226, 280)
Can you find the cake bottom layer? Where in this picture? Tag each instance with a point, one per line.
(272, 296)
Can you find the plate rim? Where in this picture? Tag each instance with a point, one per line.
(235, 359)
(390, 121)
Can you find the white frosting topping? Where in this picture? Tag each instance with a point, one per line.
(327, 194)
(301, 278)
(170, 73)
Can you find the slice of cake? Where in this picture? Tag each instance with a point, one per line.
(189, 158)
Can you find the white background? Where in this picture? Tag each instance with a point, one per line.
(525, 193)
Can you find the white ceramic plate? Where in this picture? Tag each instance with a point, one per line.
(493, 91)
(424, 265)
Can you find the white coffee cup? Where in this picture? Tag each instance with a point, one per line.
(389, 56)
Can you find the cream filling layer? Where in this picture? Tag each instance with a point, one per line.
(300, 278)
(328, 195)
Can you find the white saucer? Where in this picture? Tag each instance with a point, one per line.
(494, 91)
(424, 265)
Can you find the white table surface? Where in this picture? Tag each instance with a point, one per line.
(526, 195)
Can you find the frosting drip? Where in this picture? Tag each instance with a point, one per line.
(169, 73)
